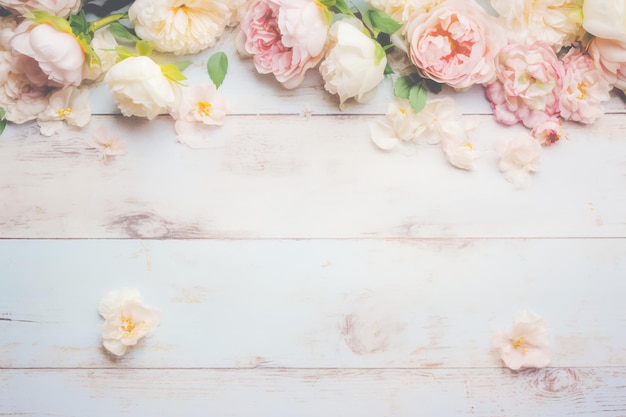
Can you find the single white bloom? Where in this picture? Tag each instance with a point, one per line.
(456, 145)
(180, 26)
(605, 19)
(354, 65)
(519, 157)
(104, 44)
(201, 109)
(107, 145)
(68, 106)
(527, 345)
(140, 88)
(126, 320)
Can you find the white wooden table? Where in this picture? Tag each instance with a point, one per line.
(303, 272)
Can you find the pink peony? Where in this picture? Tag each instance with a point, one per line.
(46, 56)
(584, 89)
(528, 81)
(610, 56)
(284, 37)
(548, 132)
(455, 43)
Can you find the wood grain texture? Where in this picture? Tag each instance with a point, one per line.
(560, 392)
(313, 303)
(298, 177)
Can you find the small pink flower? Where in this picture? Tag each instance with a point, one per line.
(584, 89)
(455, 43)
(548, 132)
(527, 86)
(107, 145)
(526, 345)
(284, 37)
(46, 56)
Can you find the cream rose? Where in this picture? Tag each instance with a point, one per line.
(46, 56)
(284, 37)
(61, 8)
(354, 65)
(455, 43)
(610, 56)
(140, 88)
(179, 26)
(605, 18)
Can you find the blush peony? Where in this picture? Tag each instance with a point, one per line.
(455, 43)
(284, 37)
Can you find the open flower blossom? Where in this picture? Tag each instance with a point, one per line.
(107, 145)
(179, 26)
(605, 19)
(201, 108)
(68, 106)
(519, 157)
(526, 345)
(284, 37)
(584, 89)
(47, 56)
(354, 65)
(126, 320)
(548, 132)
(555, 22)
(141, 89)
(455, 43)
(528, 84)
(60, 8)
(610, 56)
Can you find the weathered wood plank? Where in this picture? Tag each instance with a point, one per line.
(298, 177)
(313, 303)
(593, 392)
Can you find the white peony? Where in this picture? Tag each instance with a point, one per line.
(354, 65)
(605, 19)
(126, 320)
(180, 26)
(140, 88)
(61, 8)
(69, 106)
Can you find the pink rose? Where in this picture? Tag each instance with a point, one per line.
(455, 43)
(584, 89)
(610, 57)
(284, 37)
(47, 56)
(527, 86)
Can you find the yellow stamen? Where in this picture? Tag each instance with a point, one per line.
(470, 146)
(519, 343)
(128, 325)
(63, 113)
(203, 108)
(108, 144)
(582, 88)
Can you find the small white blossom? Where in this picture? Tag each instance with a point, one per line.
(526, 345)
(107, 145)
(519, 157)
(69, 106)
(126, 320)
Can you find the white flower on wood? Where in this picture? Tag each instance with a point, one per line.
(519, 157)
(126, 320)
(527, 345)
(107, 145)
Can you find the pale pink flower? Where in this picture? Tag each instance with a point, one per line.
(68, 106)
(457, 146)
(518, 158)
(201, 109)
(107, 145)
(455, 43)
(556, 22)
(284, 37)
(584, 89)
(527, 86)
(548, 132)
(126, 320)
(610, 56)
(46, 56)
(605, 19)
(526, 345)
(61, 8)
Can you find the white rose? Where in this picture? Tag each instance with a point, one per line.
(181, 27)
(605, 18)
(354, 65)
(61, 8)
(140, 88)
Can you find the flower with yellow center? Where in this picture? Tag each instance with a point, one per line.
(526, 345)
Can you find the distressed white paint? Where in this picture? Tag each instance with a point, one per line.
(301, 271)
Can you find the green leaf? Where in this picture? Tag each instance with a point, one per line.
(3, 121)
(382, 22)
(39, 16)
(388, 70)
(79, 24)
(367, 21)
(417, 97)
(144, 48)
(121, 32)
(341, 7)
(182, 65)
(217, 66)
(327, 3)
(123, 53)
(402, 87)
(172, 72)
(379, 52)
